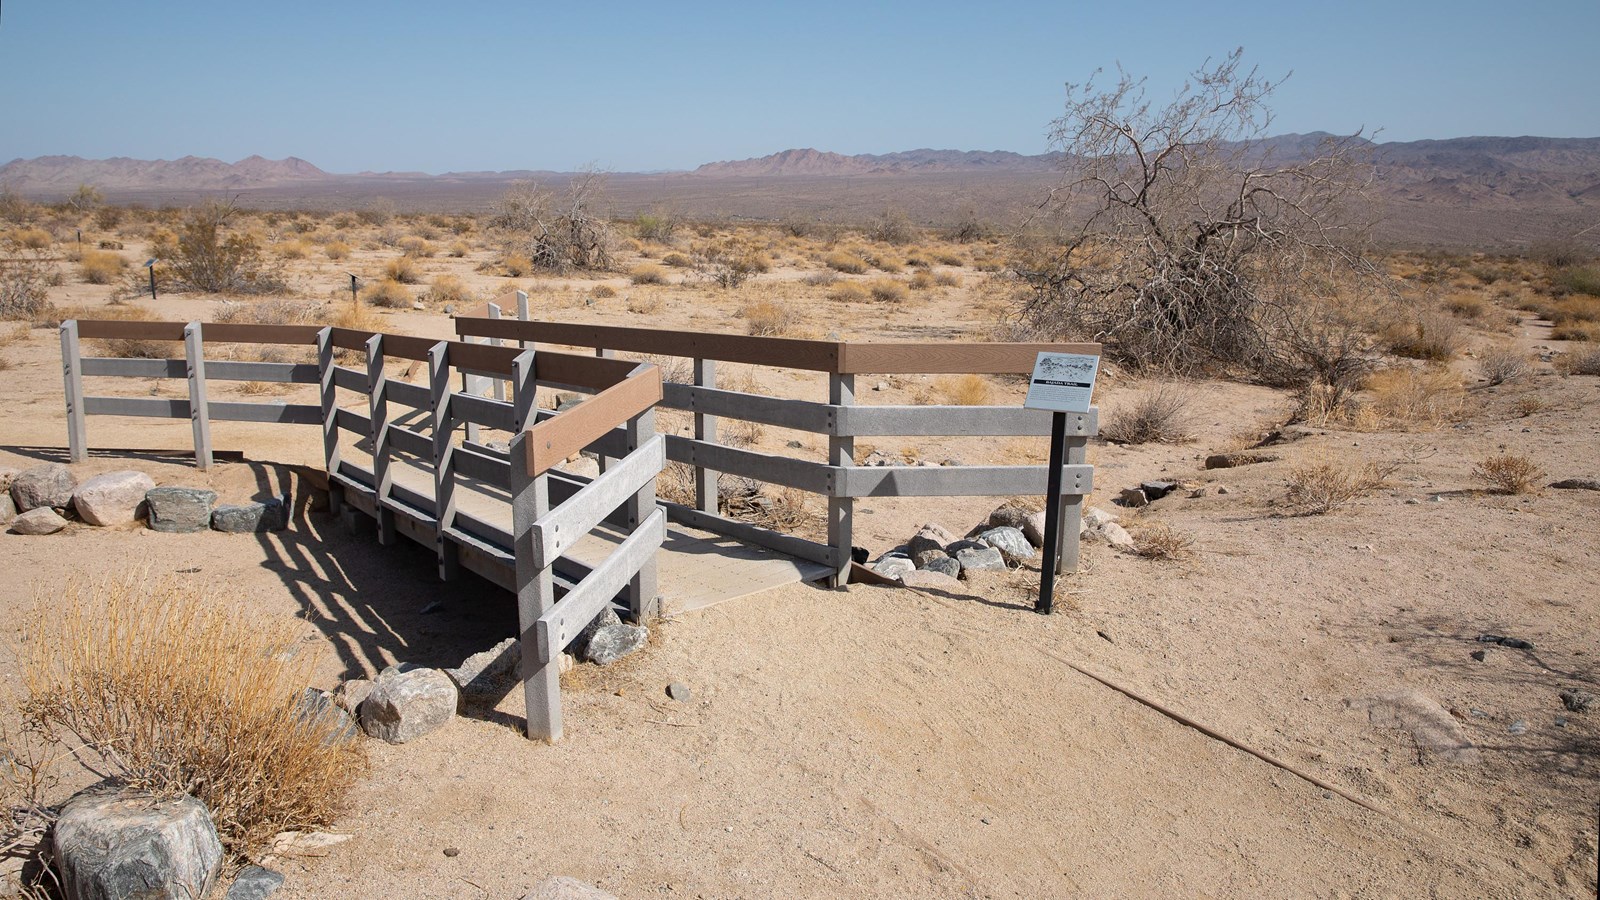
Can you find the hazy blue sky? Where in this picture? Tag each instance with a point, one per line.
(637, 86)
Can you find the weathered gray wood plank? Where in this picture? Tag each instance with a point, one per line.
(199, 409)
(135, 368)
(557, 531)
(407, 394)
(557, 626)
(967, 421)
(959, 481)
(278, 373)
(798, 547)
(72, 382)
(797, 414)
(286, 413)
(798, 473)
(150, 407)
(484, 411)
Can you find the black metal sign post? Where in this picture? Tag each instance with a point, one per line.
(151, 265)
(1052, 514)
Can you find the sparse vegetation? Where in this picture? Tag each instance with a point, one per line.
(1323, 485)
(1580, 361)
(887, 290)
(101, 266)
(1503, 365)
(559, 234)
(1158, 416)
(848, 263)
(963, 390)
(1507, 473)
(647, 274)
(767, 318)
(389, 293)
(402, 269)
(208, 257)
(1158, 540)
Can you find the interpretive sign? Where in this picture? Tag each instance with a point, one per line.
(1062, 382)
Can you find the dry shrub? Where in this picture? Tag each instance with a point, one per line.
(1508, 473)
(388, 292)
(1503, 365)
(336, 250)
(356, 318)
(272, 311)
(291, 250)
(922, 280)
(769, 318)
(1526, 406)
(949, 259)
(516, 265)
(885, 263)
(769, 506)
(24, 283)
(603, 292)
(1580, 361)
(1588, 332)
(263, 388)
(739, 432)
(1430, 337)
(1408, 397)
(644, 304)
(677, 260)
(823, 278)
(963, 390)
(459, 249)
(1159, 416)
(152, 682)
(449, 289)
(1466, 306)
(849, 263)
(1159, 540)
(29, 238)
(1323, 485)
(647, 274)
(403, 270)
(414, 246)
(101, 266)
(887, 290)
(847, 292)
(947, 279)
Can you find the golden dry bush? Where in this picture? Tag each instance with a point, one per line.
(644, 304)
(947, 279)
(847, 292)
(449, 289)
(156, 683)
(1412, 398)
(603, 292)
(922, 280)
(1466, 305)
(885, 263)
(1159, 540)
(296, 249)
(677, 260)
(389, 293)
(414, 246)
(1423, 335)
(459, 249)
(963, 390)
(29, 238)
(647, 274)
(336, 250)
(769, 318)
(516, 265)
(1588, 332)
(402, 269)
(1158, 416)
(1325, 483)
(1580, 361)
(1507, 473)
(887, 290)
(356, 318)
(848, 263)
(101, 266)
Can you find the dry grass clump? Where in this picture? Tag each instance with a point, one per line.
(459, 249)
(1159, 540)
(922, 280)
(769, 318)
(1428, 337)
(153, 682)
(848, 263)
(101, 266)
(885, 263)
(847, 292)
(356, 318)
(1322, 485)
(336, 250)
(963, 390)
(1159, 416)
(295, 249)
(887, 290)
(388, 293)
(647, 274)
(644, 304)
(29, 238)
(677, 260)
(947, 279)
(603, 292)
(516, 265)
(1508, 473)
(414, 246)
(1503, 365)
(1588, 332)
(1580, 361)
(403, 270)
(449, 289)
(1410, 397)
(272, 311)
(1466, 306)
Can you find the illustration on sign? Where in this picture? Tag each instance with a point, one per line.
(1062, 382)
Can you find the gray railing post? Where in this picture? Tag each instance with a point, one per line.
(841, 452)
(199, 412)
(536, 593)
(329, 397)
(498, 384)
(444, 474)
(378, 410)
(72, 375)
(1067, 540)
(643, 602)
(522, 312)
(705, 429)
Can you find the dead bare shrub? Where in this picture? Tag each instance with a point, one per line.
(1580, 361)
(1322, 485)
(557, 233)
(1503, 365)
(1159, 540)
(1158, 416)
(150, 681)
(24, 281)
(1508, 473)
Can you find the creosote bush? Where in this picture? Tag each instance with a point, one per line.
(152, 682)
(207, 256)
(1508, 473)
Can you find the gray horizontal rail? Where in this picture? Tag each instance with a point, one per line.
(351, 380)
(288, 413)
(564, 525)
(483, 411)
(558, 626)
(350, 420)
(153, 407)
(800, 415)
(407, 441)
(959, 481)
(135, 368)
(471, 464)
(962, 421)
(279, 373)
(754, 534)
(407, 394)
(796, 473)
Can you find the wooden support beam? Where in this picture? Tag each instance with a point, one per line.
(378, 422)
(444, 474)
(644, 604)
(72, 376)
(328, 397)
(199, 412)
(541, 679)
(841, 507)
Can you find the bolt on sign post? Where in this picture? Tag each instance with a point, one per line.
(1062, 383)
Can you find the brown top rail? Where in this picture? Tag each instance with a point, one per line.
(556, 438)
(840, 357)
(215, 333)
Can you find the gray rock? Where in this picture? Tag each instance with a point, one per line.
(1577, 701)
(407, 702)
(605, 619)
(613, 642)
(678, 691)
(38, 521)
(931, 536)
(318, 710)
(958, 546)
(585, 466)
(1009, 517)
(1033, 528)
(1577, 484)
(47, 485)
(944, 565)
(110, 846)
(488, 675)
(249, 518)
(1133, 498)
(981, 560)
(1010, 542)
(254, 883)
(893, 566)
(565, 402)
(1113, 534)
(112, 498)
(926, 556)
(180, 510)
(498, 446)
(1518, 727)
(8, 475)
(349, 695)
(1095, 517)
(8, 509)
(560, 887)
(928, 579)
(1155, 490)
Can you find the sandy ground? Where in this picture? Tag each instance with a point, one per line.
(880, 742)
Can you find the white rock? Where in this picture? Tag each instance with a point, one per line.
(112, 498)
(407, 702)
(42, 520)
(894, 566)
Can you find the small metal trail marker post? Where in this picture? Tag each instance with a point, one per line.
(1062, 383)
(151, 265)
(355, 299)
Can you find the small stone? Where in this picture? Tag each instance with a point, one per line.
(318, 709)
(1577, 701)
(1577, 484)
(249, 518)
(1095, 517)
(1155, 490)
(568, 663)
(112, 498)
(180, 510)
(943, 566)
(678, 691)
(254, 883)
(986, 559)
(1518, 727)
(407, 702)
(613, 642)
(112, 845)
(48, 485)
(1010, 542)
(434, 606)
(488, 675)
(560, 887)
(1033, 528)
(931, 536)
(894, 566)
(349, 694)
(928, 579)
(1009, 517)
(452, 852)
(583, 467)
(1412, 501)
(1113, 534)
(881, 386)
(41, 520)
(1133, 498)
(1480, 655)
(1516, 643)
(795, 445)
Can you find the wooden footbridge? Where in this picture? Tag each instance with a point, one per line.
(463, 461)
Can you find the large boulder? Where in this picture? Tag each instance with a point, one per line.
(407, 702)
(1033, 528)
(486, 676)
(613, 642)
(1010, 542)
(180, 509)
(349, 695)
(110, 846)
(47, 485)
(1113, 534)
(112, 498)
(931, 536)
(38, 521)
(246, 518)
